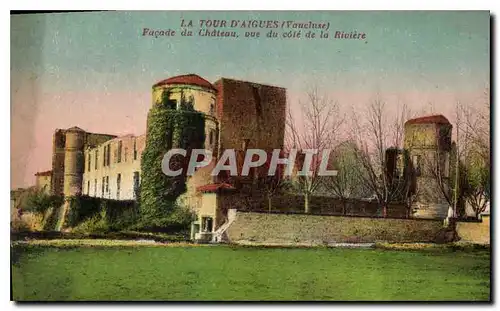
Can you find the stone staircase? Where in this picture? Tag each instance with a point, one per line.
(219, 235)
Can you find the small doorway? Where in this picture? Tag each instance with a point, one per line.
(206, 224)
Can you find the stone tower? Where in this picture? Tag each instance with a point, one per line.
(428, 143)
(182, 116)
(73, 161)
(190, 92)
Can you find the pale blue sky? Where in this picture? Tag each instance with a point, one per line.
(106, 49)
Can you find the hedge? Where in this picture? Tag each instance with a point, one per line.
(116, 214)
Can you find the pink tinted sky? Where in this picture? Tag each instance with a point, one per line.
(34, 125)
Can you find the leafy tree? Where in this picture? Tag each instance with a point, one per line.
(477, 188)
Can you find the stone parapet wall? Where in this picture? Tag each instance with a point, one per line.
(475, 232)
(315, 229)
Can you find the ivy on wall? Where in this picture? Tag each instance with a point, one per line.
(167, 129)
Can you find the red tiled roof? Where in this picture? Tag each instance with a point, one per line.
(46, 173)
(436, 119)
(215, 187)
(191, 79)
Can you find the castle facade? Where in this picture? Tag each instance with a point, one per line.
(238, 115)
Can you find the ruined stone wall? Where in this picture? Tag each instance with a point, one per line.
(268, 228)
(93, 140)
(73, 162)
(250, 111)
(58, 152)
(43, 182)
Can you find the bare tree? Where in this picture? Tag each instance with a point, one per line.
(320, 124)
(434, 166)
(445, 164)
(272, 184)
(375, 134)
(477, 124)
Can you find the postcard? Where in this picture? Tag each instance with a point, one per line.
(339, 156)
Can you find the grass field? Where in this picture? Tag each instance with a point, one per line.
(239, 273)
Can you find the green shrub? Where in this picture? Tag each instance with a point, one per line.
(94, 224)
(88, 213)
(178, 221)
(120, 215)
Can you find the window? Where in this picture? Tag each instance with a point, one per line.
(125, 151)
(96, 157)
(88, 162)
(102, 186)
(95, 187)
(136, 185)
(108, 156)
(118, 182)
(212, 107)
(119, 156)
(105, 156)
(172, 104)
(211, 137)
(88, 187)
(190, 103)
(107, 153)
(107, 183)
(135, 150)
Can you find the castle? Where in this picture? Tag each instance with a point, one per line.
(238, 115)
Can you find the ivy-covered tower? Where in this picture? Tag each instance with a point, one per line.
(182, 116)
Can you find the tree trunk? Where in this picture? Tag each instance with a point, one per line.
(307, 209)
(269, 202)
(384, 210)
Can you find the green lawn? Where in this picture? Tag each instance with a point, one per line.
(238, 273)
